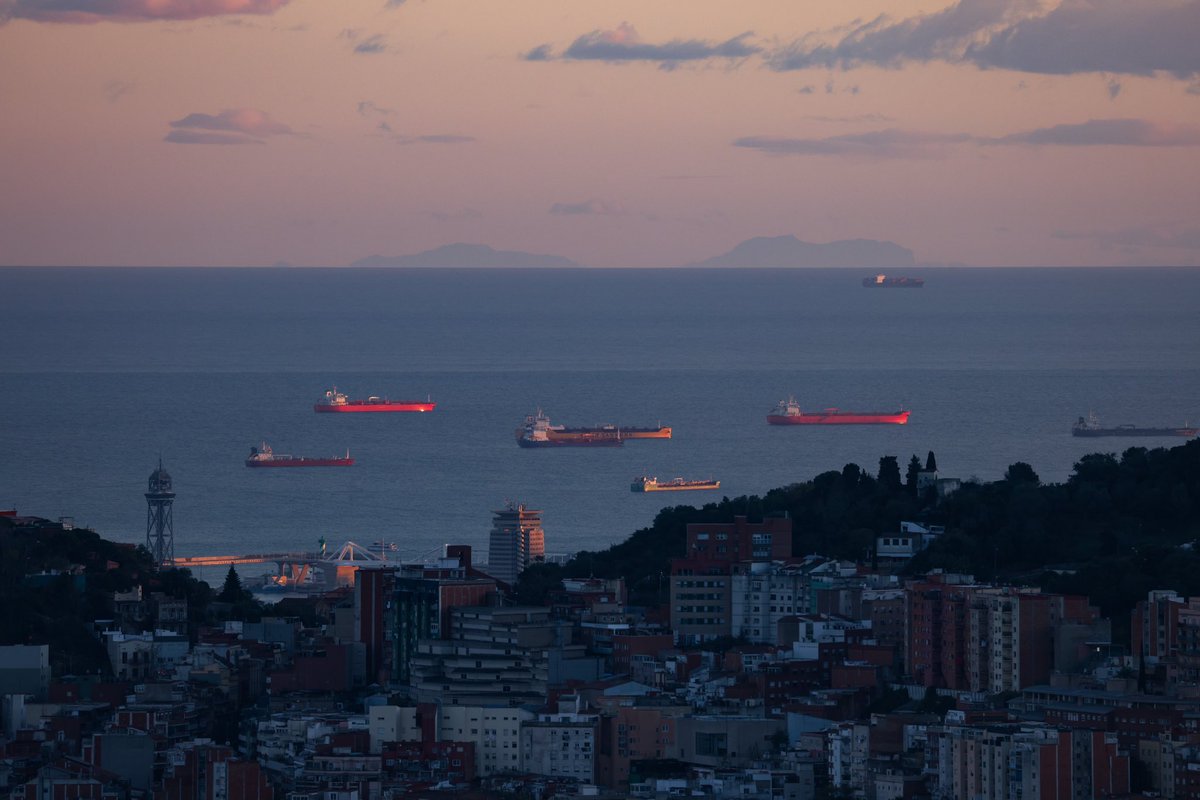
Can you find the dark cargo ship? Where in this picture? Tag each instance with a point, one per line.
(538, 431)
(1090, 426)
(263, 456)
(562, 436)
(901, 282)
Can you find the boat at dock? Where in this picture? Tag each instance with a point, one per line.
(652, 484)
(899, 282)
(264, 456)
(1090, 426)
(788, 412)
(337, 402)
(538, 432)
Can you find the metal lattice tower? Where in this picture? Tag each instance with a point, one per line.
(160, 525)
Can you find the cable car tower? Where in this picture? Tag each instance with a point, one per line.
(160, 525)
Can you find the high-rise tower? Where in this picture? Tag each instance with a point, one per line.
(160, 525)
(517, 541)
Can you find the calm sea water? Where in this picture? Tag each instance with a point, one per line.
(104, 370)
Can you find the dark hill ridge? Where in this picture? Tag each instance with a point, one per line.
(467, 255)
(788, 251)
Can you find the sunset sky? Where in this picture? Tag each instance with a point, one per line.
(641, 133)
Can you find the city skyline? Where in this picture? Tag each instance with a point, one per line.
(256, 132)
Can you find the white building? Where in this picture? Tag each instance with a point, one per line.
(392, 724)
(139, 655)
(494, 730)
(517, 540)
(912, 539)
(561, 745)
(763, 593)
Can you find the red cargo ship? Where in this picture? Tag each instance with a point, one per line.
(335, 401)
(263, 456)
(788, 413)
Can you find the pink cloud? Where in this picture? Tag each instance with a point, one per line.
(242, 120)
(622, 34)
(231, 126)
(90, 11)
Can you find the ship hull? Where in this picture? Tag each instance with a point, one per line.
(366, 406)
(1098, 432)
(568, 435)
(894, 283)
(581, 442)
(677, 487)
(840, 418)
(662, 432)
(301, 462)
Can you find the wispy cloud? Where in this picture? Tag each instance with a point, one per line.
(91, 11)
(890, 143)
(380, 115)
(593, 206)
(435, 138)
(455, 216)
(207, 137)
(886, 42)
(543, 52)
(1135, 38)
(371, 45)
(899, 143)
(1174, 237)
(231, 126)
(623, 44)
(1107, 132)
(1116, 36)
(369, 108)
(115, 90)
(853, 118)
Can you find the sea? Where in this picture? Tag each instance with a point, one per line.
(106, 371)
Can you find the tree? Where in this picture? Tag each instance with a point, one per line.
(931, 463)
(851, 475)
(232, 591)
(1021, 472)
(889, 472)
(910, 477)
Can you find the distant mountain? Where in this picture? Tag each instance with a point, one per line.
(788, 251)
(466, 255)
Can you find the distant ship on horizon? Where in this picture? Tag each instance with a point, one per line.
(652, 484)
(882, 281)
(1090, 426)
